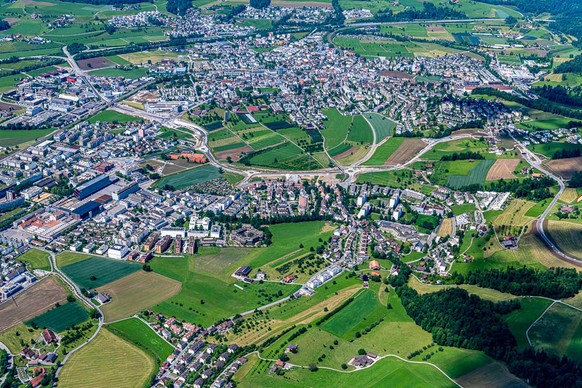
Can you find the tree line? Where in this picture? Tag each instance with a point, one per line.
(541, 103)
(555, 283)
(565, 154)
(461, 156)
(561, 95)
(429, 11)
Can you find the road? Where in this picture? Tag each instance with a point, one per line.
(536, 162)
(81, 74)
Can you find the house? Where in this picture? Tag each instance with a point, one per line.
(103, 298)
(374, 265)
(206, 374)
(224, 356)
(361, 361)
(48, 336)
(36, 381)
(198, 383)
(232, 348)
(292, 349)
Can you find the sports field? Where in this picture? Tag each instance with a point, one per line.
(107, 361)
(184, 179)
(96, 271)
(135, 292)
(138, 333)
(61, 318)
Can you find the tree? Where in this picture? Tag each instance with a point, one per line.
(4, 25)
(313, 367)
(178, 7)
(260, 3)
(510, 20)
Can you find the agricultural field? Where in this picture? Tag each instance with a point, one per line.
(502, 169)
(384, 151)
(138, 333)
(184, 179)
(36, 259)
(336, 129)
(514, 217)
(446, 227)
(382, 125)
(407, 150)
(96, 271)
(548, 149)
(62, 317)
(565, 341)
(476, 175)
(66, 258)
(136, 292)
(566, 167)
(566, 235)
(107, 361)
(111, 116)
(520, 320)
(31, 303)
(287, 156)
(13, 137)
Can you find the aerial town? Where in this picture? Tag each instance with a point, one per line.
(223, 194)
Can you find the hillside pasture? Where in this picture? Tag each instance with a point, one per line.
(567, 236)
(136, 292)
(96, 271)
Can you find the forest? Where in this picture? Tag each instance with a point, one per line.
(573, 66)
(178, 7)
(576, 180)
(429, 11)
(555, 283)
(571, 97)
(534, 189)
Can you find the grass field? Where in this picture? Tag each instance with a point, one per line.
(66, 258)
(36, 259)
(107, 361)
(476, 175)
(548, 149)
(360, 131)
(514, 216)
(567, 236)
(519, 320)
(137, 332)
(113, 72)
(61, 318)
(384, 151)
(483, 293)
(565, 341)
(136, 292)
(336, 128)
(95, 271)
(12, 137)
(382, 125)
(184, 179)
(111, 116)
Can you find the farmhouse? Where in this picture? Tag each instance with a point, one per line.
(48, 336)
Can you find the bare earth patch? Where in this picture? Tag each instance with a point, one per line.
(566, 167)
(11, 21)
(407, 150)
(31, 303)
(502, 169)
(346, 153)
(95, 63)
(435, 28)
(234, 153)
(446, 228)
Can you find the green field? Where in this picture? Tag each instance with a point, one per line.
(336, 128)
(360, 131)
(134, 73)
(10, 138)
(548, 149)
(476, 175)
(384, 151)
(95, 271)
(137, 332)
(62, 317)
(382, 125)
(184, 179)
(36, 259)
(519, 320)
(286, 157)
(111, 116)
(567, 340)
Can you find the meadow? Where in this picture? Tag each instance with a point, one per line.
(184, 179)
(96, 272)
(336, 129)
(62, 317)
(111, 116)
(566, 235)
(107, 361)
(36, 259)
(520, 320)
(384, 151)
(548, 149)
(476, 175)
(135, 331)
